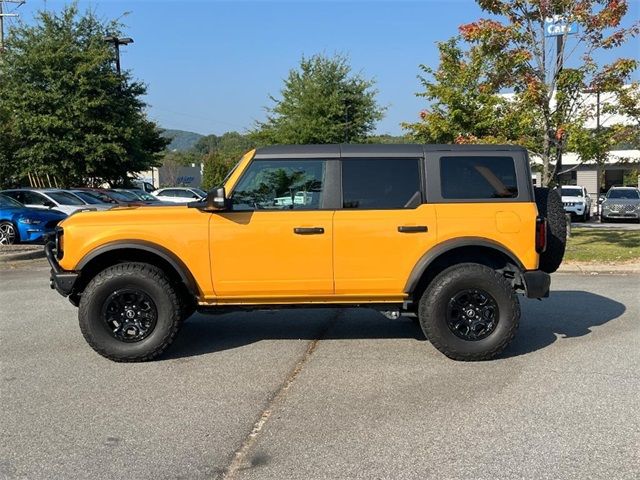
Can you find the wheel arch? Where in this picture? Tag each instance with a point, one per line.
(135, 251)
(463, 250)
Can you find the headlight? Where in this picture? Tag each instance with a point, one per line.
(30, 221)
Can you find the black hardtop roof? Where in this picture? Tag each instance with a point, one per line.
(371, 150)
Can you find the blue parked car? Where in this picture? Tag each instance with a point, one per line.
(19, 224)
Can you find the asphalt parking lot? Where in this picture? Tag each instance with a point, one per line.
(324, 394)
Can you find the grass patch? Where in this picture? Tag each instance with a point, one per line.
(608, 246)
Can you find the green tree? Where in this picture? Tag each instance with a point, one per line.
(465, 105)
(220, 154)
(70, 114)
(228, 142)
(512, 53)
(322, 102)
(215, 167)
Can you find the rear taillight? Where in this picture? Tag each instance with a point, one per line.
(541, 234)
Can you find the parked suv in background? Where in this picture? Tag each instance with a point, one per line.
(576, 201)
(621, 203)
(449, 233)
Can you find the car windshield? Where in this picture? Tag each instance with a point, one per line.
(147, 197)
(627, 194)
(123, 196)
(64, 198)
(9, 202)
(571, 192)
(129, 196)
(88, 198)
(199, 192)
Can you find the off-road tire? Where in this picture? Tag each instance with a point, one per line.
(550, 206)
(153, 282)
(434, 302)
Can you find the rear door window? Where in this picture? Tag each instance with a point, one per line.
(478, 177)
(381, 183)
(32, 198)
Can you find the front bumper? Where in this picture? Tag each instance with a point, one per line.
(61, 280)
(536, 283)
(621, 215)
(577, 209)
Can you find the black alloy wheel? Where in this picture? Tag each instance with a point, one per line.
(472, 314)
(130, 315)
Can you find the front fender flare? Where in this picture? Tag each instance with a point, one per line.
(168, 256)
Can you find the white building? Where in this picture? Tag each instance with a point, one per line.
(618, 163)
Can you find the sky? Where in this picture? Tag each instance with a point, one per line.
(210, 66)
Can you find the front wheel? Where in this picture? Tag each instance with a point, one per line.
(469, 312)
(8, 233)
(130, 312)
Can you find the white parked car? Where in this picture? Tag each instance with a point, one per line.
(180, 194)
(60, 200)
(576, 201)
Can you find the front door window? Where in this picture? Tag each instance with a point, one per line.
(281, 185)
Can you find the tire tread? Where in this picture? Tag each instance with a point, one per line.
(126, 269)
(438, 283)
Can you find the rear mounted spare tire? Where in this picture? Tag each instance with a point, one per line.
(550, 206)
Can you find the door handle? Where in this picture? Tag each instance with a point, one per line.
(412, 228)
(308, 230)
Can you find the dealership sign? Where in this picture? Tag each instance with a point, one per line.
(557, 25)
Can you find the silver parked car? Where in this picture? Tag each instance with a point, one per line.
(52, 198)
(621, 203)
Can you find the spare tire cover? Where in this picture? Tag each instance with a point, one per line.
(550, 206)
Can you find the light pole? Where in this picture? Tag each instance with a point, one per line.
(599, 165)
(3, 15)
(117, 41)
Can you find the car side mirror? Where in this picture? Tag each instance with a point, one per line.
(49, 204)
(217, 199)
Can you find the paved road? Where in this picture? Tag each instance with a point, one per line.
(324, 394)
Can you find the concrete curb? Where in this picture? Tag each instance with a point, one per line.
(595, 268)
(13, 253)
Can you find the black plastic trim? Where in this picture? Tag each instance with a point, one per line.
(168, 256)
(430, 256)
(536, 283)
(366, 150)
(62, 280)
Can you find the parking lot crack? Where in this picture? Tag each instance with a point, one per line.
(239, 458)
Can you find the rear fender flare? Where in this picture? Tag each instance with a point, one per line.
(433, 254)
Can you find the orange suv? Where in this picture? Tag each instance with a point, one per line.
(449, 234)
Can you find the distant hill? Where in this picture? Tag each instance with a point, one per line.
(181, 140)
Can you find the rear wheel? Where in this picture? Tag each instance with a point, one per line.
(469, 312)
(130, 312)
